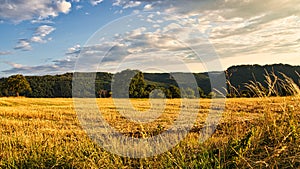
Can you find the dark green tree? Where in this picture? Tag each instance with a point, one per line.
(18, 84)
(189, 93)
(129, 83)
(201, 93)
(175, 91)
(3, 89)
(167, 92)
(137, 86)
(212, 95)
(149, 88)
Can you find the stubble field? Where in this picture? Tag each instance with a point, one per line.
(253, 133)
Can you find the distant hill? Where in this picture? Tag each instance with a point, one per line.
(61, 85)
(239, 75)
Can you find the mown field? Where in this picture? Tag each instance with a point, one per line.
(253, 133)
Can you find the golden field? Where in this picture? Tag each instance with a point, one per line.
(252, 133)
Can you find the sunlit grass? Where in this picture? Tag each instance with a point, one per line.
(254, 132)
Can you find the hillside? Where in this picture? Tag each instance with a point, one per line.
(239, 75)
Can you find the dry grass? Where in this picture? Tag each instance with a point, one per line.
(255, 132)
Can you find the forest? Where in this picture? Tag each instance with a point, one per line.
(142, 84)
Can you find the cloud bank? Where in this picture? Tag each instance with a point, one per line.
(39, 36)
(18, 10)
(235, 28)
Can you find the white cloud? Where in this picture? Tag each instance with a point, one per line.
(5, 52)
(38, 70)
(234, 27)
(79, 7)
(40, 36)
(137, 32)
(41, 32)
(44, 30)
(125, 4)
(14, 65)
(74, 50)
(17, 11)
(96, 2)
(148, 7)
(172, 27)
(37, 39)
(63, 65)
(23, 44)
(252, 36)
(118, 2)
(64, 6)
(132, 4)
(41, 21)
(156, 26)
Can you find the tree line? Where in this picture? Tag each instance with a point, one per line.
(61, 86)
(136, 84)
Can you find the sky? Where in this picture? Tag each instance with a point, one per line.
(58, 36)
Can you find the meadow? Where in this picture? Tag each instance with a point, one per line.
(253, 133)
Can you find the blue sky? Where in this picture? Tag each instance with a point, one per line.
(58, 36)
